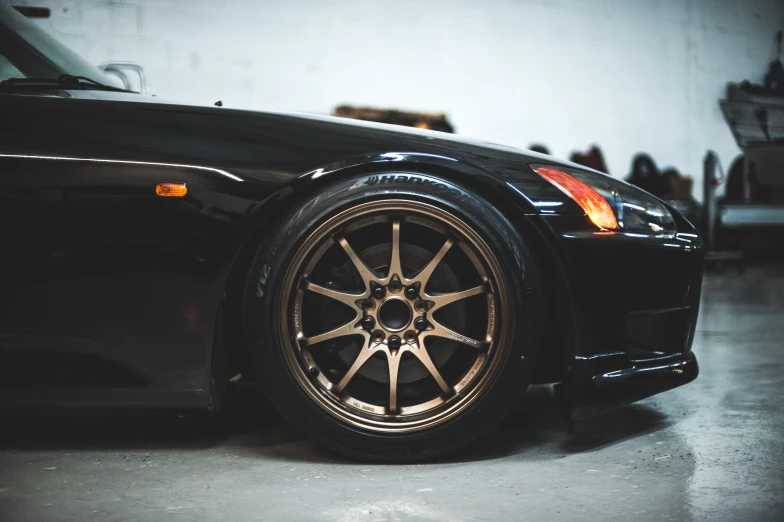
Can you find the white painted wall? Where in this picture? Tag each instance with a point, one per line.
(629, 75)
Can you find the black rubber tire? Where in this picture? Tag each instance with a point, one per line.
(262, 296)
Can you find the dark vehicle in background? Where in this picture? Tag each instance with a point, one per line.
(394, 290)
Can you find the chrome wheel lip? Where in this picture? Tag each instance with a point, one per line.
(372, 417)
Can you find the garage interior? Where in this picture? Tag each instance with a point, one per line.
(684, 99)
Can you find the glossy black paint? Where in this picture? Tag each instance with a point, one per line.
(97, 263)
(637, 300)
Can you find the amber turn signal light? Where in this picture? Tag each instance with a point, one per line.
(171, 190)
(597, 208)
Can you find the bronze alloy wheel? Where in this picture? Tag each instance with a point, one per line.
(396, 318)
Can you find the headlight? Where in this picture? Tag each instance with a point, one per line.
(612, 204)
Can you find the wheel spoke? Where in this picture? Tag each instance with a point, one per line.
(394, 366)
(361, 359)
(427, 362)
(344, 297)
(364, 272)
(395, 265)
(340, 331)
(424, 275)
(441, 300)
(440, 330)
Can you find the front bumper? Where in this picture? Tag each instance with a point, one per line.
(594, 391)
(635, 302)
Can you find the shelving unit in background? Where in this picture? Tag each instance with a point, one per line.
(757, 122)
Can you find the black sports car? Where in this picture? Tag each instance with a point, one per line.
(395, 290)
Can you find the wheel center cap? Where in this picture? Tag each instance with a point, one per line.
(395, 314)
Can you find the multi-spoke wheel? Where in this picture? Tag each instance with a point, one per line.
(394, 318)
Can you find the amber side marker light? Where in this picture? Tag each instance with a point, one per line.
(597, 208)
(171, 190)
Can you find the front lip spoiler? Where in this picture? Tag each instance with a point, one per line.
(599, 392)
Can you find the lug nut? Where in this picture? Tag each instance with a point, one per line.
(394, 342)
(379, 292)
(412, 292)
(420, 323)
(368, 323)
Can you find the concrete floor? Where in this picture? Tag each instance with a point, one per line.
(713, 450)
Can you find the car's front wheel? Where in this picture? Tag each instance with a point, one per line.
(394, 321)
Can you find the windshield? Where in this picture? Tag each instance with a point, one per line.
(26, 51)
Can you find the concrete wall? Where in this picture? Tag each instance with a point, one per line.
(629, 75)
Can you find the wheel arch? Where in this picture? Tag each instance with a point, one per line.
(557, 338)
